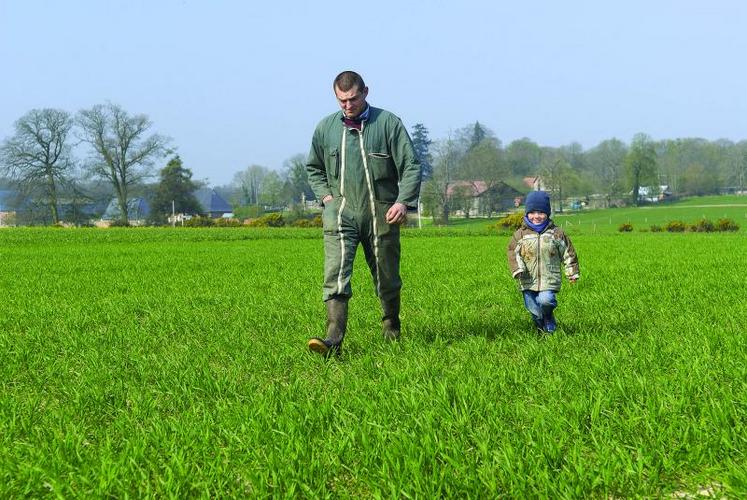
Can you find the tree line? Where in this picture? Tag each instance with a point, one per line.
(121, 151)
(613, 172)
(53, 185)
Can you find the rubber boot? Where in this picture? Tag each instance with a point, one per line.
(337, 320)
(390, 324)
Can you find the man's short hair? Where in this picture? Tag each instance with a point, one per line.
(347, 80)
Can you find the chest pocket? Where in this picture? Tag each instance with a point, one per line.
(332, 163)
(382, 166)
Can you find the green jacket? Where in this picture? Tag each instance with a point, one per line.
(345, 162)
(536, 258)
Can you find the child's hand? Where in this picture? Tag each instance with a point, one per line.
(573, 279)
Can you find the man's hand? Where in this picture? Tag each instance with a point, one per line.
(397, 214)
(327, 199)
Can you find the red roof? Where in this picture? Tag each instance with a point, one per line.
(476, 187)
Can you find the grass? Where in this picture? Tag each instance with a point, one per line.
(607, 221)
(173, 363)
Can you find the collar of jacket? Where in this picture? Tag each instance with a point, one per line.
(537, 227)
(358, 119)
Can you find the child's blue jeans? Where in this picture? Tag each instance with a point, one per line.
(541, 305)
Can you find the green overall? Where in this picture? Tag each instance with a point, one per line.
(365, 172)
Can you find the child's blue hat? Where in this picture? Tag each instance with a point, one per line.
(538, 201)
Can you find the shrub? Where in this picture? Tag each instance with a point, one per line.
(269, 220)
(227, 222)
(656, 229)
(675, 226)
(625, 228)
(199, 222)
(727, 225)
(511, 221)
(119, 223)
(703, 226)
(314, 222)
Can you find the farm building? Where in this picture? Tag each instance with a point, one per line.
(472, 198)
(213, 204)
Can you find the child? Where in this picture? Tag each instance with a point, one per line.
(535, 254)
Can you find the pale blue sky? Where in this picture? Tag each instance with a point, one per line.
(238, 83)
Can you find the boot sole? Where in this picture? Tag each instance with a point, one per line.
(316, 345)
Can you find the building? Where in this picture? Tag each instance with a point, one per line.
(471, 198)
(213, 204)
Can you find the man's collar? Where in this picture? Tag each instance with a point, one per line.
(361, 117)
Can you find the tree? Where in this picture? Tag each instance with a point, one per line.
(38, 157)
(485, 163)
(478, 134)
(523, 157)
(435, 192)
(740, 166)
(121, 152)
(271, 189)
(560, 177)
(421, 143)
(175, 191)
(607, 162)
(249, 182)
(297, 178)
(641, 164)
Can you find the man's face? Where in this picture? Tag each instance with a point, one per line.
(352, 102)
(536, 217)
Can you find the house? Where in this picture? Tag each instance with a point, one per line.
(138, 210)
(213, 204)
(653, 194)
(480, 198)
(7, 208)
(534, 183)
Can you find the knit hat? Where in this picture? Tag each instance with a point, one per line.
(538, 201)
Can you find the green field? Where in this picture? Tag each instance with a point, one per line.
(172, 362)
(608, 221)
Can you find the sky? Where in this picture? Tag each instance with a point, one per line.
(240, 83)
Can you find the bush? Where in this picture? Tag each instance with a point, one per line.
(676, 226)
(227, 222)
(625, 228)
(727, 225)
(119, 223)
(199, 222)
(656, 229)
(269, 220)
(703, 226)
(511, 221)
(314, 222)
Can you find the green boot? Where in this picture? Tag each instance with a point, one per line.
(390, 324)
(337, 319)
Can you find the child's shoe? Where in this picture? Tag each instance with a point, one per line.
(539, 324)
(550, 324)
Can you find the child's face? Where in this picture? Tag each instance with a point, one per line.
(537, 217)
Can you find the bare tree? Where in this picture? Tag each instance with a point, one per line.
(121, 152)
(435, 192)
(38, 157)
(249, 182)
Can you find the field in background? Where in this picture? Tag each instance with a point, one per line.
(608, 221)
(173, 363)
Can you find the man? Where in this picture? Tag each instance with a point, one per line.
(363, 169)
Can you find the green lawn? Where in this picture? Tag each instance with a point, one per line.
(607, 221)
(172, 362)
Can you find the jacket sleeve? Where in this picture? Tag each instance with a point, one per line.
(408, 165)
(570, 259)
(316, 168)
(514, 264)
